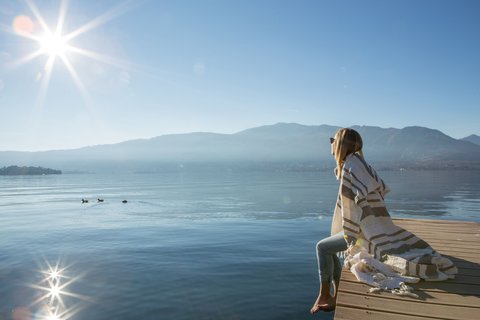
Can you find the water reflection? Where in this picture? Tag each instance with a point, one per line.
(51, 292)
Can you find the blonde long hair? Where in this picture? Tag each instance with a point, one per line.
(347, 141)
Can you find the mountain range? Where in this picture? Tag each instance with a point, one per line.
(472, 138)
(279, 143)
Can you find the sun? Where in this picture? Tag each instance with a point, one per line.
(53, 44)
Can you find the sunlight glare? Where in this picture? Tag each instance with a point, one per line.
(52, 315)
(54, 274)
(53, 44)
(51, 302)
(54, 292)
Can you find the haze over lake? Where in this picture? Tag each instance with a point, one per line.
(271, 147)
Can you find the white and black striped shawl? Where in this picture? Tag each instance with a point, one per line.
(361, 213)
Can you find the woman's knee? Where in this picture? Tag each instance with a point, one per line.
(322, 246)
(331, 245)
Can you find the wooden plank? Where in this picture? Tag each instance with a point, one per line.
(473, 258)
(444, 233)
(435, 234)
(453, 243)
(469, 237)
(466, 247)
(471, 290)
(445, 236)
(459, 279)
(445, 287)
(455, 299)
(445, 224)
(456, 236)
(432, 296)
(463, 264)
(452, 240)
(348, 313)
(436, 222)
(459, 239)
(473, 231)
(408, 307)
(469, 272)
(440, 248)
(439, 224)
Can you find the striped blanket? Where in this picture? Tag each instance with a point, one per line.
(380, 252)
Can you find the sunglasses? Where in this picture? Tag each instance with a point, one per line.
(332, 140)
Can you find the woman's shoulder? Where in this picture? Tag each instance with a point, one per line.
(355, 162)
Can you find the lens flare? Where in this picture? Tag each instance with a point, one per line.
(23, 25)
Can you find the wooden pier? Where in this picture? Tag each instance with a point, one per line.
(457, 299)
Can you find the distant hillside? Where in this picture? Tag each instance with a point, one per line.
(472, 138)
(416, 144)
(20, 171)
(279, 143)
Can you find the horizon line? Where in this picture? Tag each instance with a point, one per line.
(223, 133)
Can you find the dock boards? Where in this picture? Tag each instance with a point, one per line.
(457, 299)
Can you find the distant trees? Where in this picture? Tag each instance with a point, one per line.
(17, 171)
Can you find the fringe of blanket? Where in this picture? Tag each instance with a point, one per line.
(376, 274)
(404, 290)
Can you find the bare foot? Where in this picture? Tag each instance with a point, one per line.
(323, 304)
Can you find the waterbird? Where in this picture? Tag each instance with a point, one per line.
(84, 200)
(124, 201)
(99, 200)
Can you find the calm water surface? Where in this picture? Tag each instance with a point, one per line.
(202, 245)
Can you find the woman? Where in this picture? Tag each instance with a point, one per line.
(379, 252)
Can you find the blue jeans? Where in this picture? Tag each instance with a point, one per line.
(329, 265)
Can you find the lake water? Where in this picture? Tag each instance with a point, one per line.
(187, 245)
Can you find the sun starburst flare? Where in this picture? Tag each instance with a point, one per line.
(53, 288)
(56, 45)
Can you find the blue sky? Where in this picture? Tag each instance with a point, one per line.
(224, 66)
